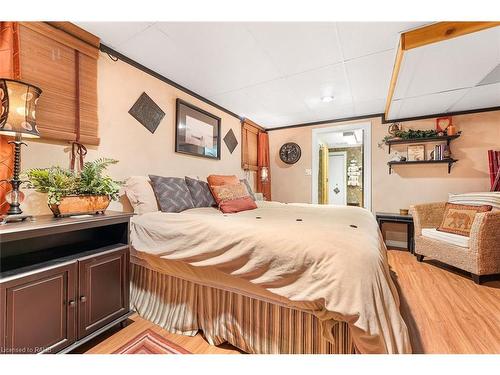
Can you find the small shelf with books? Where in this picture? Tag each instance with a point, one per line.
(440, 154)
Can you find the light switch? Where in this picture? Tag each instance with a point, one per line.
(308, 172)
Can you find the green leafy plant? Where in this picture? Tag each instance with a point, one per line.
(58, 182)
(411, 134)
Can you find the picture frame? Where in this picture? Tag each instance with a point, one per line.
(197, 132)
(416, 152)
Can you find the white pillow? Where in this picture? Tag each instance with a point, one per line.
(491, 198)
(140, 194)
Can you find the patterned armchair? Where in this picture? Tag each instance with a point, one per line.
(479, 254)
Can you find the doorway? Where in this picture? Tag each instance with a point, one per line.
(337, 185)
(341, 165)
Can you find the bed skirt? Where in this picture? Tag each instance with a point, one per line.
(250, 324)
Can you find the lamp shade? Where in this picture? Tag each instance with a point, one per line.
(17, 108)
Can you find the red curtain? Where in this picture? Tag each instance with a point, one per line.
(494, 165)
(263, 161)
(9, 68)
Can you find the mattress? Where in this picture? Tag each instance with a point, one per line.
(329, 260)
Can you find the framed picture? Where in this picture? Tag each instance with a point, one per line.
(197, 132)
(442, 124)
(416, 152)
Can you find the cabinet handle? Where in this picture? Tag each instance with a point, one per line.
(83, 299)
(71, 303)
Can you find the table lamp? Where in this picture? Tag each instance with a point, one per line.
(17, 119)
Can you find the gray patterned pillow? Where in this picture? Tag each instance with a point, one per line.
(249, 188)
(200, 192)
(171, 193)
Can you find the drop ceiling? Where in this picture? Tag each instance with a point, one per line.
(276, 73)
(454, 75)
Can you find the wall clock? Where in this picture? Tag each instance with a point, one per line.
(290, 153)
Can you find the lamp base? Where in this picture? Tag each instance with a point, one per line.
(15, 218)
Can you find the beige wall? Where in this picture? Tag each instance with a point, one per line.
(125, 139)
(407, 184)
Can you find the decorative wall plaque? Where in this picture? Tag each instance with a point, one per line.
(230, 141)
(147, 112)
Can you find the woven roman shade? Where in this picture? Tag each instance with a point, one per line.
(65, 68)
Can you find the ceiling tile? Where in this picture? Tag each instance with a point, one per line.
(453, 64)
(224, 55)
(370, 76)
(479, 97)
(369, 107)
(364, 38)
(113, 34)
(429, 104)
(299, 46)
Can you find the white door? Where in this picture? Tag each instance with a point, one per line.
(337, 178)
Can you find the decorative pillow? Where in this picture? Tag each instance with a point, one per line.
(229, 192)
(249, 188)
(140, 193)
(491, 198)
(237, 205)
(458, 218)
(218, 180)
(172, 193)
(200, 192)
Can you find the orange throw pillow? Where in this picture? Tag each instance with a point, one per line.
(458, 218)
(237, 205)
(229, 192)
(218, 180)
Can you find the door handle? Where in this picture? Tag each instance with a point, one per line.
(71, 303)
(83, 299)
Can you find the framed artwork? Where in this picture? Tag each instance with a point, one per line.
(197, 132)
(442, 124)
(416, 153)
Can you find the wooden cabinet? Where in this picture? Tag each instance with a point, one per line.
(40, 311)
(103, 290)
(62, 281)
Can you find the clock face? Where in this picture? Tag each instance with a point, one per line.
(290, 153)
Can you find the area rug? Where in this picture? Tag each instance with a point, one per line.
(149, 342)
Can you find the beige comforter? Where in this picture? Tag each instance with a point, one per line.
(330, 259)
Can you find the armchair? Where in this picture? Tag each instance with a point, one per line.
(480, 255)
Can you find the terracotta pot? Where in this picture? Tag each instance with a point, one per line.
(80, 205)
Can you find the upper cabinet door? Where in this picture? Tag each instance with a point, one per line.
(39, 311)
(103, 290)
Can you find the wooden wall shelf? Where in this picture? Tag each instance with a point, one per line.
(450, 162)
(445, 138)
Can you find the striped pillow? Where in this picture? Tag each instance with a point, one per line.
(491, 198)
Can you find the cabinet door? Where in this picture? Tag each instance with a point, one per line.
(103, 290)
(39, 311)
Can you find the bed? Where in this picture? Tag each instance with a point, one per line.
(283, 278)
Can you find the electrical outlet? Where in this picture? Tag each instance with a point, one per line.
(308, 172)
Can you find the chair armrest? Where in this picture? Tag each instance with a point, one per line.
(427, 215)
(485, 241)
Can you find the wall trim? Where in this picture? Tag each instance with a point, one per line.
(435, 115)
(330, 121)
(104, 48)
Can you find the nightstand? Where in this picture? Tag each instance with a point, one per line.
(63, 281)
(386, 217)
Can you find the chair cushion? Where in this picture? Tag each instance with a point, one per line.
(453, 239)
(172, 193)
(200, 192)
(458, 218)
(140, 193)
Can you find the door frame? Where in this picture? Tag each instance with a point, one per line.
(344, 154)
(367, 158)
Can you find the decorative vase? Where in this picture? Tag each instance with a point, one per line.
(451, 130)
(80, 205)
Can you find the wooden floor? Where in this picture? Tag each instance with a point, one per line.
(444, 310)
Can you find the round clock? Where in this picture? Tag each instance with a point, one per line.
(290, 153)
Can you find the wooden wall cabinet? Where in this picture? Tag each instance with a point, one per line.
(62, 282)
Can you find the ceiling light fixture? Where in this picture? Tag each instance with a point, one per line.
(327, 99)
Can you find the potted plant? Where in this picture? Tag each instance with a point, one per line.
(70, 193)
